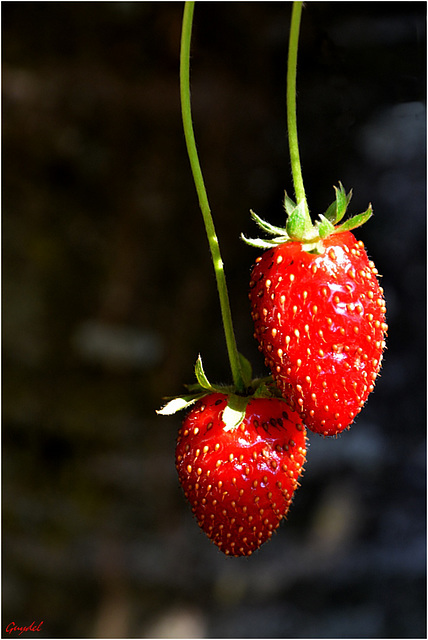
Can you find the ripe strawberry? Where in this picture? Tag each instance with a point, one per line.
(240, 481)
(319, 316)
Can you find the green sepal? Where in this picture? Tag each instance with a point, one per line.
(342, 201)
(259, 243)
(296, 227)
(299, 226)
(200, 375)
(267, 388)
(289, 204)
(204, 385)
(325, 227)
(266, 226)
(194, 388)
(178, 404)
(337, 209)
(331, 212)
(356, 221)
(234, 413)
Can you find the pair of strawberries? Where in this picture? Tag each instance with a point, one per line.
(319, 318)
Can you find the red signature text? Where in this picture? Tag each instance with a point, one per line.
(12, 627)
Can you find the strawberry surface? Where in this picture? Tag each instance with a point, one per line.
(240, 481)
(320, 323)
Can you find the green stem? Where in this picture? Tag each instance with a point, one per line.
(291, 106)
(232, 349)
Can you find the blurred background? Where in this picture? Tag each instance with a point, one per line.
(109, 296)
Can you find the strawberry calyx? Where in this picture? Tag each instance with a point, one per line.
(299, 226)
(234, 413)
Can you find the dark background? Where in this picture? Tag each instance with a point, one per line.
(109, 296)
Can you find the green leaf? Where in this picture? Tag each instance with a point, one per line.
(296, 223)
(200, 375)
(325, 227)
(266, 226)
(356, 221)
(234, 413)
(289, 205)
(246, 370)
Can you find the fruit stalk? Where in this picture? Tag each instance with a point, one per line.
(232, 349)
(293, 143)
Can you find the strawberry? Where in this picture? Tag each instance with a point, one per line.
(240, 481)
(319, 316)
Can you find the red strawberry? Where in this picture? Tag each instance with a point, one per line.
(320, 321)
(240, 481)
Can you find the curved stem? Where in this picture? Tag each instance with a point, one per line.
(232, 349)
(291, 106)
